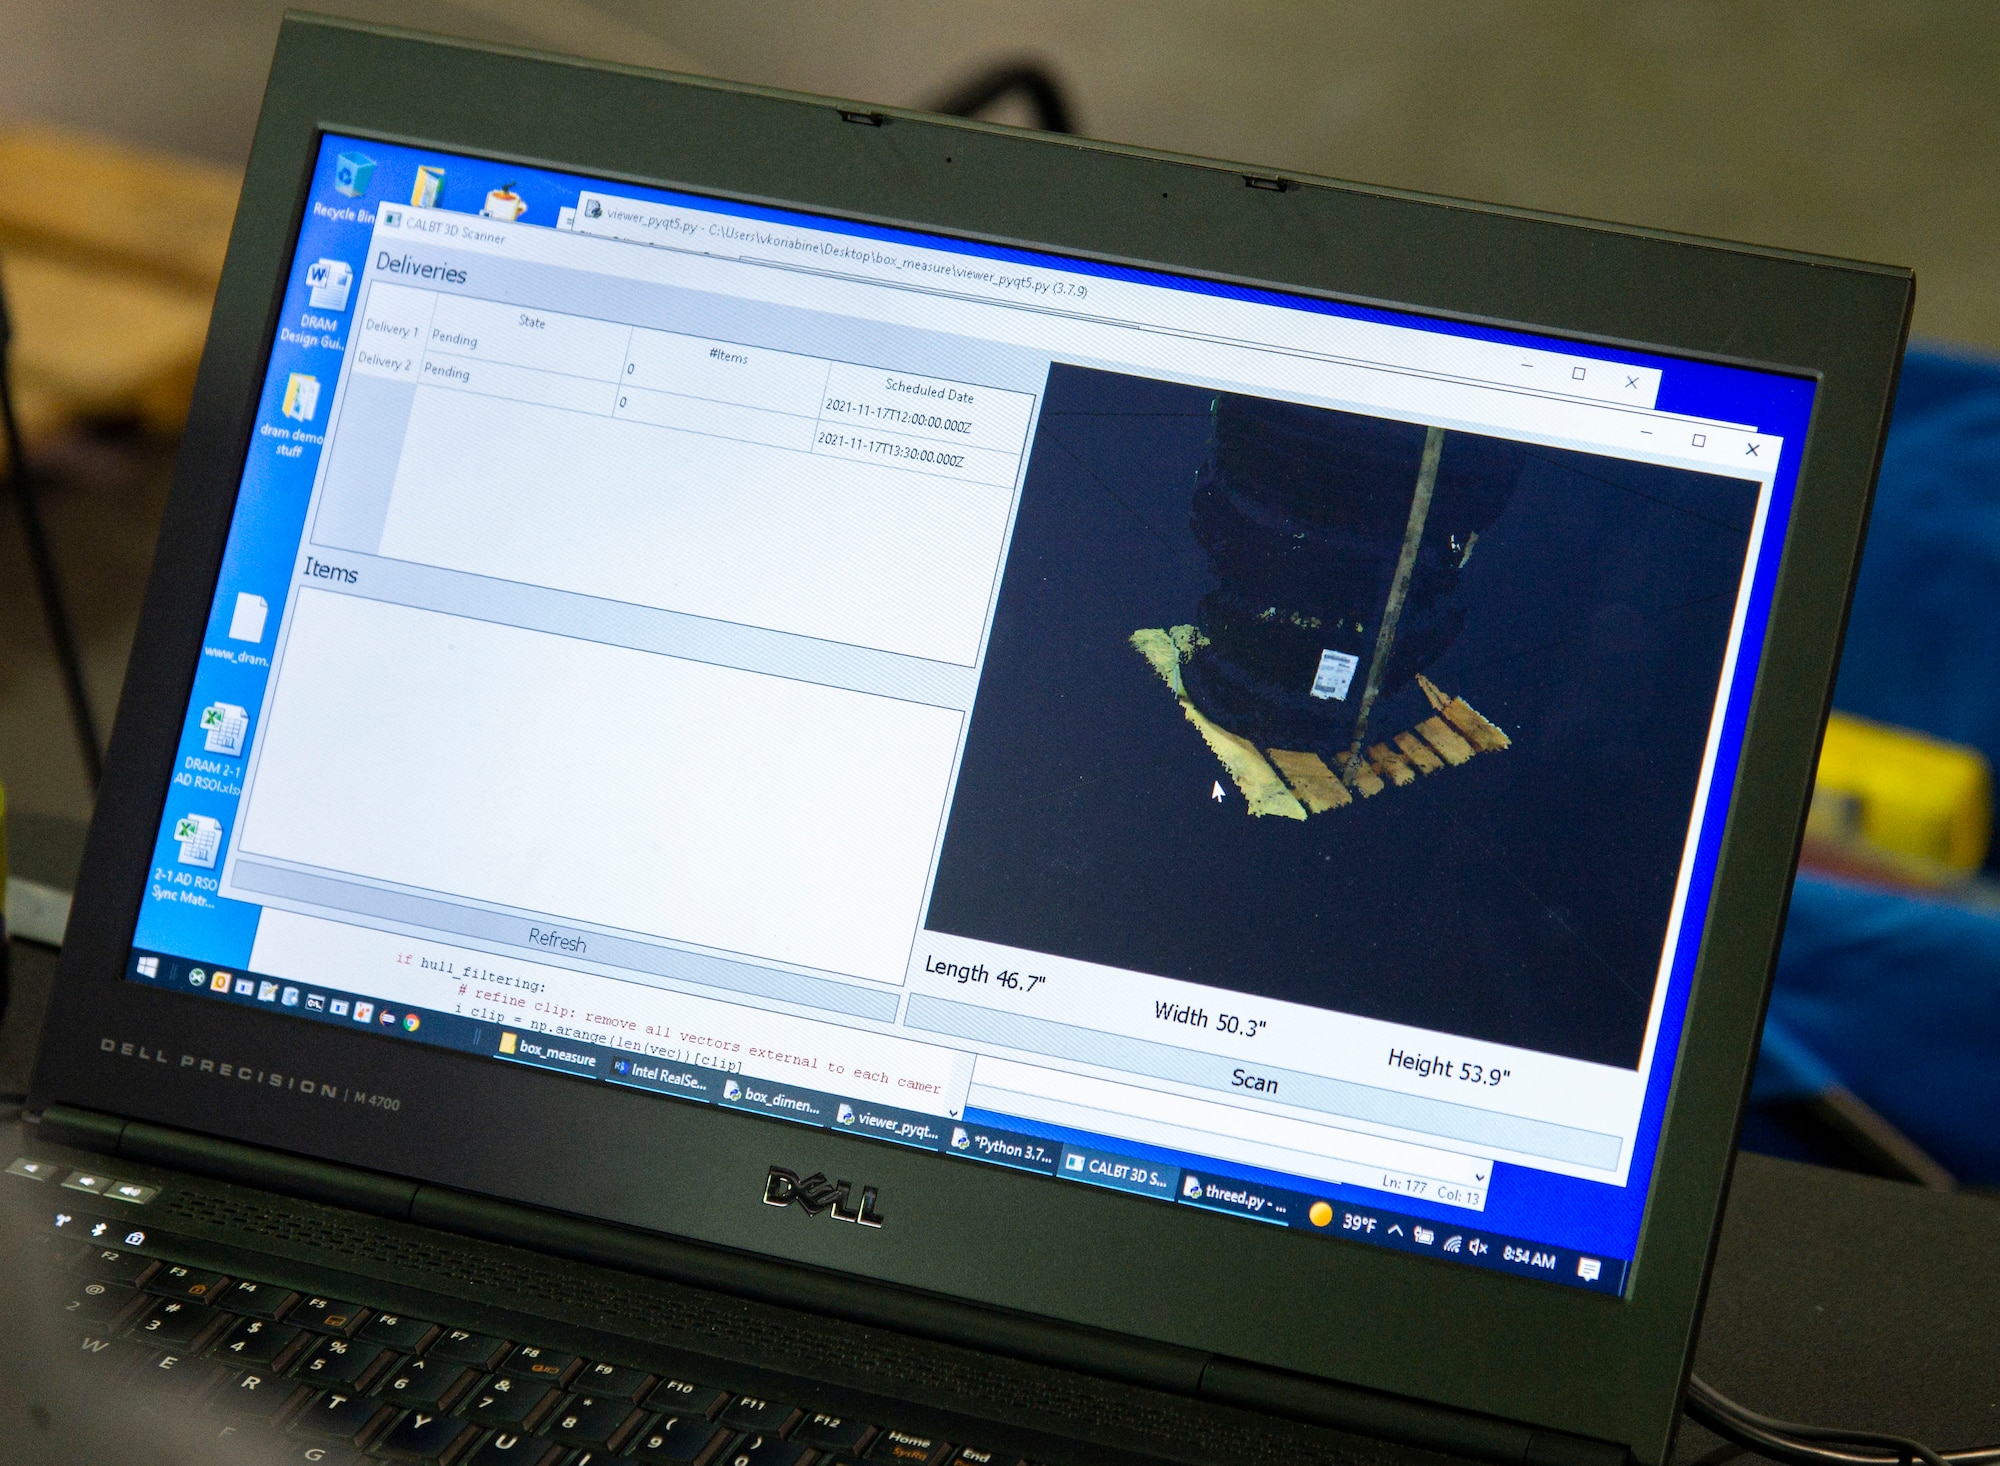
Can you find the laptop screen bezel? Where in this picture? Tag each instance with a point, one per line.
(1608, 1368)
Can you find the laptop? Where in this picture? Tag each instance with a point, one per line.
(807, 784)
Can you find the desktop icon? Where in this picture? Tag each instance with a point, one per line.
(364, 1012)
(289, 998)
(219, 983)
(245, 987)
(149, 967)
(301, 397)
(267, 992)
(845, 1114)
(351, 173)
(246, 622)
(1191, 1187)
(1424, 1235)
(430, 183)
(315, 1002)
(338, 1007)
(225, 724)
(504, 204)
(731, 1089)
(411, 1023)
(1589, 1269)
(508, 1043)
(200, 840)
(328, 283)
(959, 1139)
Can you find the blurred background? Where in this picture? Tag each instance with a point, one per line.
(1861, 129)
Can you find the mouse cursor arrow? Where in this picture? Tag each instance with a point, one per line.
(1217, 795)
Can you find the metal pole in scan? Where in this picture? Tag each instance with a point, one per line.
(1399, 588)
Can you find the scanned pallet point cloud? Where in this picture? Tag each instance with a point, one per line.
(1425, 745)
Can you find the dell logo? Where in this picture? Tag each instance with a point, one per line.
(814, 1194)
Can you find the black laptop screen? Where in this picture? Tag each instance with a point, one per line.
(1258, 753)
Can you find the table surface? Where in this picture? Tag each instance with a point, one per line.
(1837, 1299)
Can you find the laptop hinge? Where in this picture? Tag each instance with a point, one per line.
(81, 1129)
(1389, 1417)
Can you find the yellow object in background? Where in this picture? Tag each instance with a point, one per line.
(1902, 794)
(110, 257)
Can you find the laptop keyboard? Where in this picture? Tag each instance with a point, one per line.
(298, 1378)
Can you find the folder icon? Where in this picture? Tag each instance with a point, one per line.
(507, 1043)
(247, 624)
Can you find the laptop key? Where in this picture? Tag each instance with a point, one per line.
(533, 1362)
(337, 1362)
(679, 1397)
(612, 1380)
(833, 1433)
(179, 1376)
(109, 1356)
(327, 1316)
(99, 1303)
(425, 1384)
(907, 1449)
(256, 1341)
(400, 1332)
(261, 1446)
(675, 1440)
(256, 1300)
(765, 1417)
(175, 1281)
(585, 1420)
(174, 1323)
(338, 1416)
(509, 1402)
(511, 1448)
(252, 1394)
(109, 1265)
(423, 1435)
(762, 1450)
(482, 1351)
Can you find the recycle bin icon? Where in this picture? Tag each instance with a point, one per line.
(351, 172)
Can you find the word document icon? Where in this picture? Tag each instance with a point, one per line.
(328, 283)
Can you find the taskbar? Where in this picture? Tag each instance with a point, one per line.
(996, 1139)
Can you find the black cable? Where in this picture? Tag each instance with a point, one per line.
(47, 582)
(1029, 79)
(1816, 1445)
